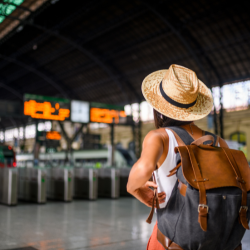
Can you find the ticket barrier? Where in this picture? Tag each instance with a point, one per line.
(85, 183)
(124, 174)
(32, 184)
(8, 185)
(60, 183)
(109, 183)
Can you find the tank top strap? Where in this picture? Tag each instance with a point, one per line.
(172, 142)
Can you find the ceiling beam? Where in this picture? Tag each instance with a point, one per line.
(11, 90)
(87, 53)
(181, 38)
(185, 42)
(38, 73)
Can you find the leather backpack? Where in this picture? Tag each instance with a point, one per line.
(208, 207)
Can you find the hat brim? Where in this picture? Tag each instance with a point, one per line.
(152, 94)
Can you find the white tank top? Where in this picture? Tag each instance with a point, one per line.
(166, 184)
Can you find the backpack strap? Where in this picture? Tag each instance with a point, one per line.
(202, 208)
(155, 200)
(182, 134)
(223, 144)
(216, 138)
(244, 207)
(209, 139)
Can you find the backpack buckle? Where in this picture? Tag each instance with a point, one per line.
(203, 206)
(243, 207)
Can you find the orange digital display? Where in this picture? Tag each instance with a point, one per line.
(44, 110)
(106, 115)
(53, 135)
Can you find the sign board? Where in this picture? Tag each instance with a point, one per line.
(53, 135)
(47, 108)
(107, 113)
(79, 111)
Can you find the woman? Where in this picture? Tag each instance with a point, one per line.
(178, 98)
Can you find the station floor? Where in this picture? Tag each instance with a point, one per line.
(103, 224)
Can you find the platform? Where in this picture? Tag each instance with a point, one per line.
(104, 224)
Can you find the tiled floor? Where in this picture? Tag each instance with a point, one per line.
(104, 224)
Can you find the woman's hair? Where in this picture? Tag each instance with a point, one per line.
(162, 121)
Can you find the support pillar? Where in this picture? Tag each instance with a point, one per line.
(36, 146)
(69, 140)
(215, 122)
(248, 144)
(4, 135)
(221, 114)
(137, 139)
(112, 136)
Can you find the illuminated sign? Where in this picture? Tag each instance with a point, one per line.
(107, 115)
(53, 135)
(79, 111)
(48, 108)
(6, 8)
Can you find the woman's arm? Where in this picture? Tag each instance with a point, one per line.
(142, 170)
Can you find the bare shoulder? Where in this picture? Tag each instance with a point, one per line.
(155, 136)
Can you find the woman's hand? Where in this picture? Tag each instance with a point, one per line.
(145, 194)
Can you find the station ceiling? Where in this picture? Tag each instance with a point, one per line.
(102, 50)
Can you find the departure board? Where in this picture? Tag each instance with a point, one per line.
(104, 113)
(53, 135)
(47, 108)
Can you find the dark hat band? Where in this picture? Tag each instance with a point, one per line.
(173, 102)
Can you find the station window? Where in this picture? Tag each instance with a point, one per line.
(143, 109)
(240, 137)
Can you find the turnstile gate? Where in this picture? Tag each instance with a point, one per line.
(60, 183)
(109, 182)
(124, 173)
(85, 183)
(32, 184)
(8, 186)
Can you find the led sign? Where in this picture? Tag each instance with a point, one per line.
(53, 135)
(7, 7)
(48, 108)
(79, 111)
(106, 115)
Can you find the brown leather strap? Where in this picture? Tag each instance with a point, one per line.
(223, 144)
(217, 141)
(244, 208)
(155, 200)
(166, 242)
(182, 188)
(174, 170)
(202, 208)
(203, 139)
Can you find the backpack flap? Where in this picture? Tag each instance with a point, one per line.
(205, 167)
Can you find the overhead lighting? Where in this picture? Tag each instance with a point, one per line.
(20, 28)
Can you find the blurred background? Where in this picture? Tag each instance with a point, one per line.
(73, 118)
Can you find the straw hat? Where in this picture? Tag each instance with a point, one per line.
(177, 93)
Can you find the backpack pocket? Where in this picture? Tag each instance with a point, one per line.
(224, 229)
(168, 216)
